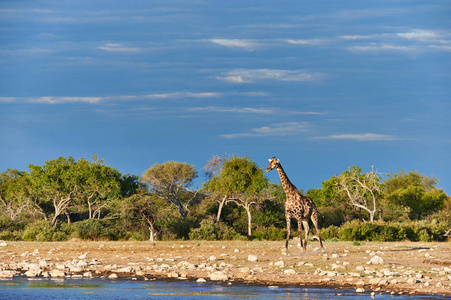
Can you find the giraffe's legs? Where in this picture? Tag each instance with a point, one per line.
(288, 230)
(314, 218)
(307, 231)
(300, 232)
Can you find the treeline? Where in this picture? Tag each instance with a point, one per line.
(86, 199)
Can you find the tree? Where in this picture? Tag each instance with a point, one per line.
(64, 183)
(240, 181)
(416, 194)
(56, 183)
(171, 181)
(99, 186)
(14, 196)
(362, 189)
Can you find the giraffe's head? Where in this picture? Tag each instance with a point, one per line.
(273, 163)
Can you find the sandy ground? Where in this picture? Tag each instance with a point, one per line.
(398, 268)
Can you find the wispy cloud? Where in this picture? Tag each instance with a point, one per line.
(420, 35)
(355, 37)
(93, 100)
(233, 109)
(310, 42)
(280, 129)
(363, 137)
(119, 48)
(248, 45)
(252, 75)
(377, 48)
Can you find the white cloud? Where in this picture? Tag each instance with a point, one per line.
(236, 43)
(377, 48)
(7, 99)
(307, 42)
(252, 75)
(355, 37)
(233, 109)
(281, 129)
(58, 100)
(363, 137)
(119, 48)
(421, 35)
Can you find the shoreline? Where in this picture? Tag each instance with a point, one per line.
(377, 267)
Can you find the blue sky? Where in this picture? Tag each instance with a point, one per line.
(319, 84)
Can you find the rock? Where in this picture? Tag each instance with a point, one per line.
(201, 280)
(290, 272)
(252, 258)
(279, 264)
(219, 276)
(335, 255)
(83, 256)
(360, 290)
(57, 273)
(413, 280)
(360, 268)
(212, 258)
(3, 244)
(439, 285)
(7, 274)
(87, 274)
(33, 273)
(113, 276)
(173, 275)
(236, 251)
(376, 260)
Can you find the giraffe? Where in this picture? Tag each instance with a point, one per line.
(297, 206)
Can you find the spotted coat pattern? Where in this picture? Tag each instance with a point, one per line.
(297, 207)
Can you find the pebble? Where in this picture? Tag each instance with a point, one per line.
(252, 258)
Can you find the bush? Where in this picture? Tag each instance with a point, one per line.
(210, 231)
(40, 231)
(8, 235)
(330, 232)
(271, 233)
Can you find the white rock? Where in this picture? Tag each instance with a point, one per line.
(7, 274)
(376, 260)
(290, 272)
(173, 275)
(87, 274)
(218, 276)
(57, 273)
(360, 290)
(201, 280)
(212, 258)
(252, 258)
(279, 264)
(360, 268)
(113, 276)
(3, 244)
(335, 255)
(237, 251)
(84, 256)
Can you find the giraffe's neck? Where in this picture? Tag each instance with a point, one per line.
(288, 187)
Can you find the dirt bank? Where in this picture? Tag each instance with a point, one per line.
(397, 268)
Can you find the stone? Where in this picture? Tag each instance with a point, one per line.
(87, 274)
(201, 280)
(219, 276)
(83, 256)
(335, 255)
(7, 274)
(57, 273)
(290, 272)
(3, 244)
(252, 258)
(173, 275)
(212, 258)
(113, 276)
(279, 264)
(376, 260)
(360, 290)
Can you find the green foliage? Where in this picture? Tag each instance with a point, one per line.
(211, 231)
(40, 231)
(270, 233)
(414, 193)
(92, 229)
(171, 181)
(381, 231)
(330, 233)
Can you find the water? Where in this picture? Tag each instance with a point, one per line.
(72, 289)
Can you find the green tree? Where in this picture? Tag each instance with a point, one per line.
(171, 181)
(416, 194)
(14, 193)
(240, 181)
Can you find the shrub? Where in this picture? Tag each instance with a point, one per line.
(330, 232)
(209, 230)
(90, 230)
(40, 231)
(270, 233)
(9, 235)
